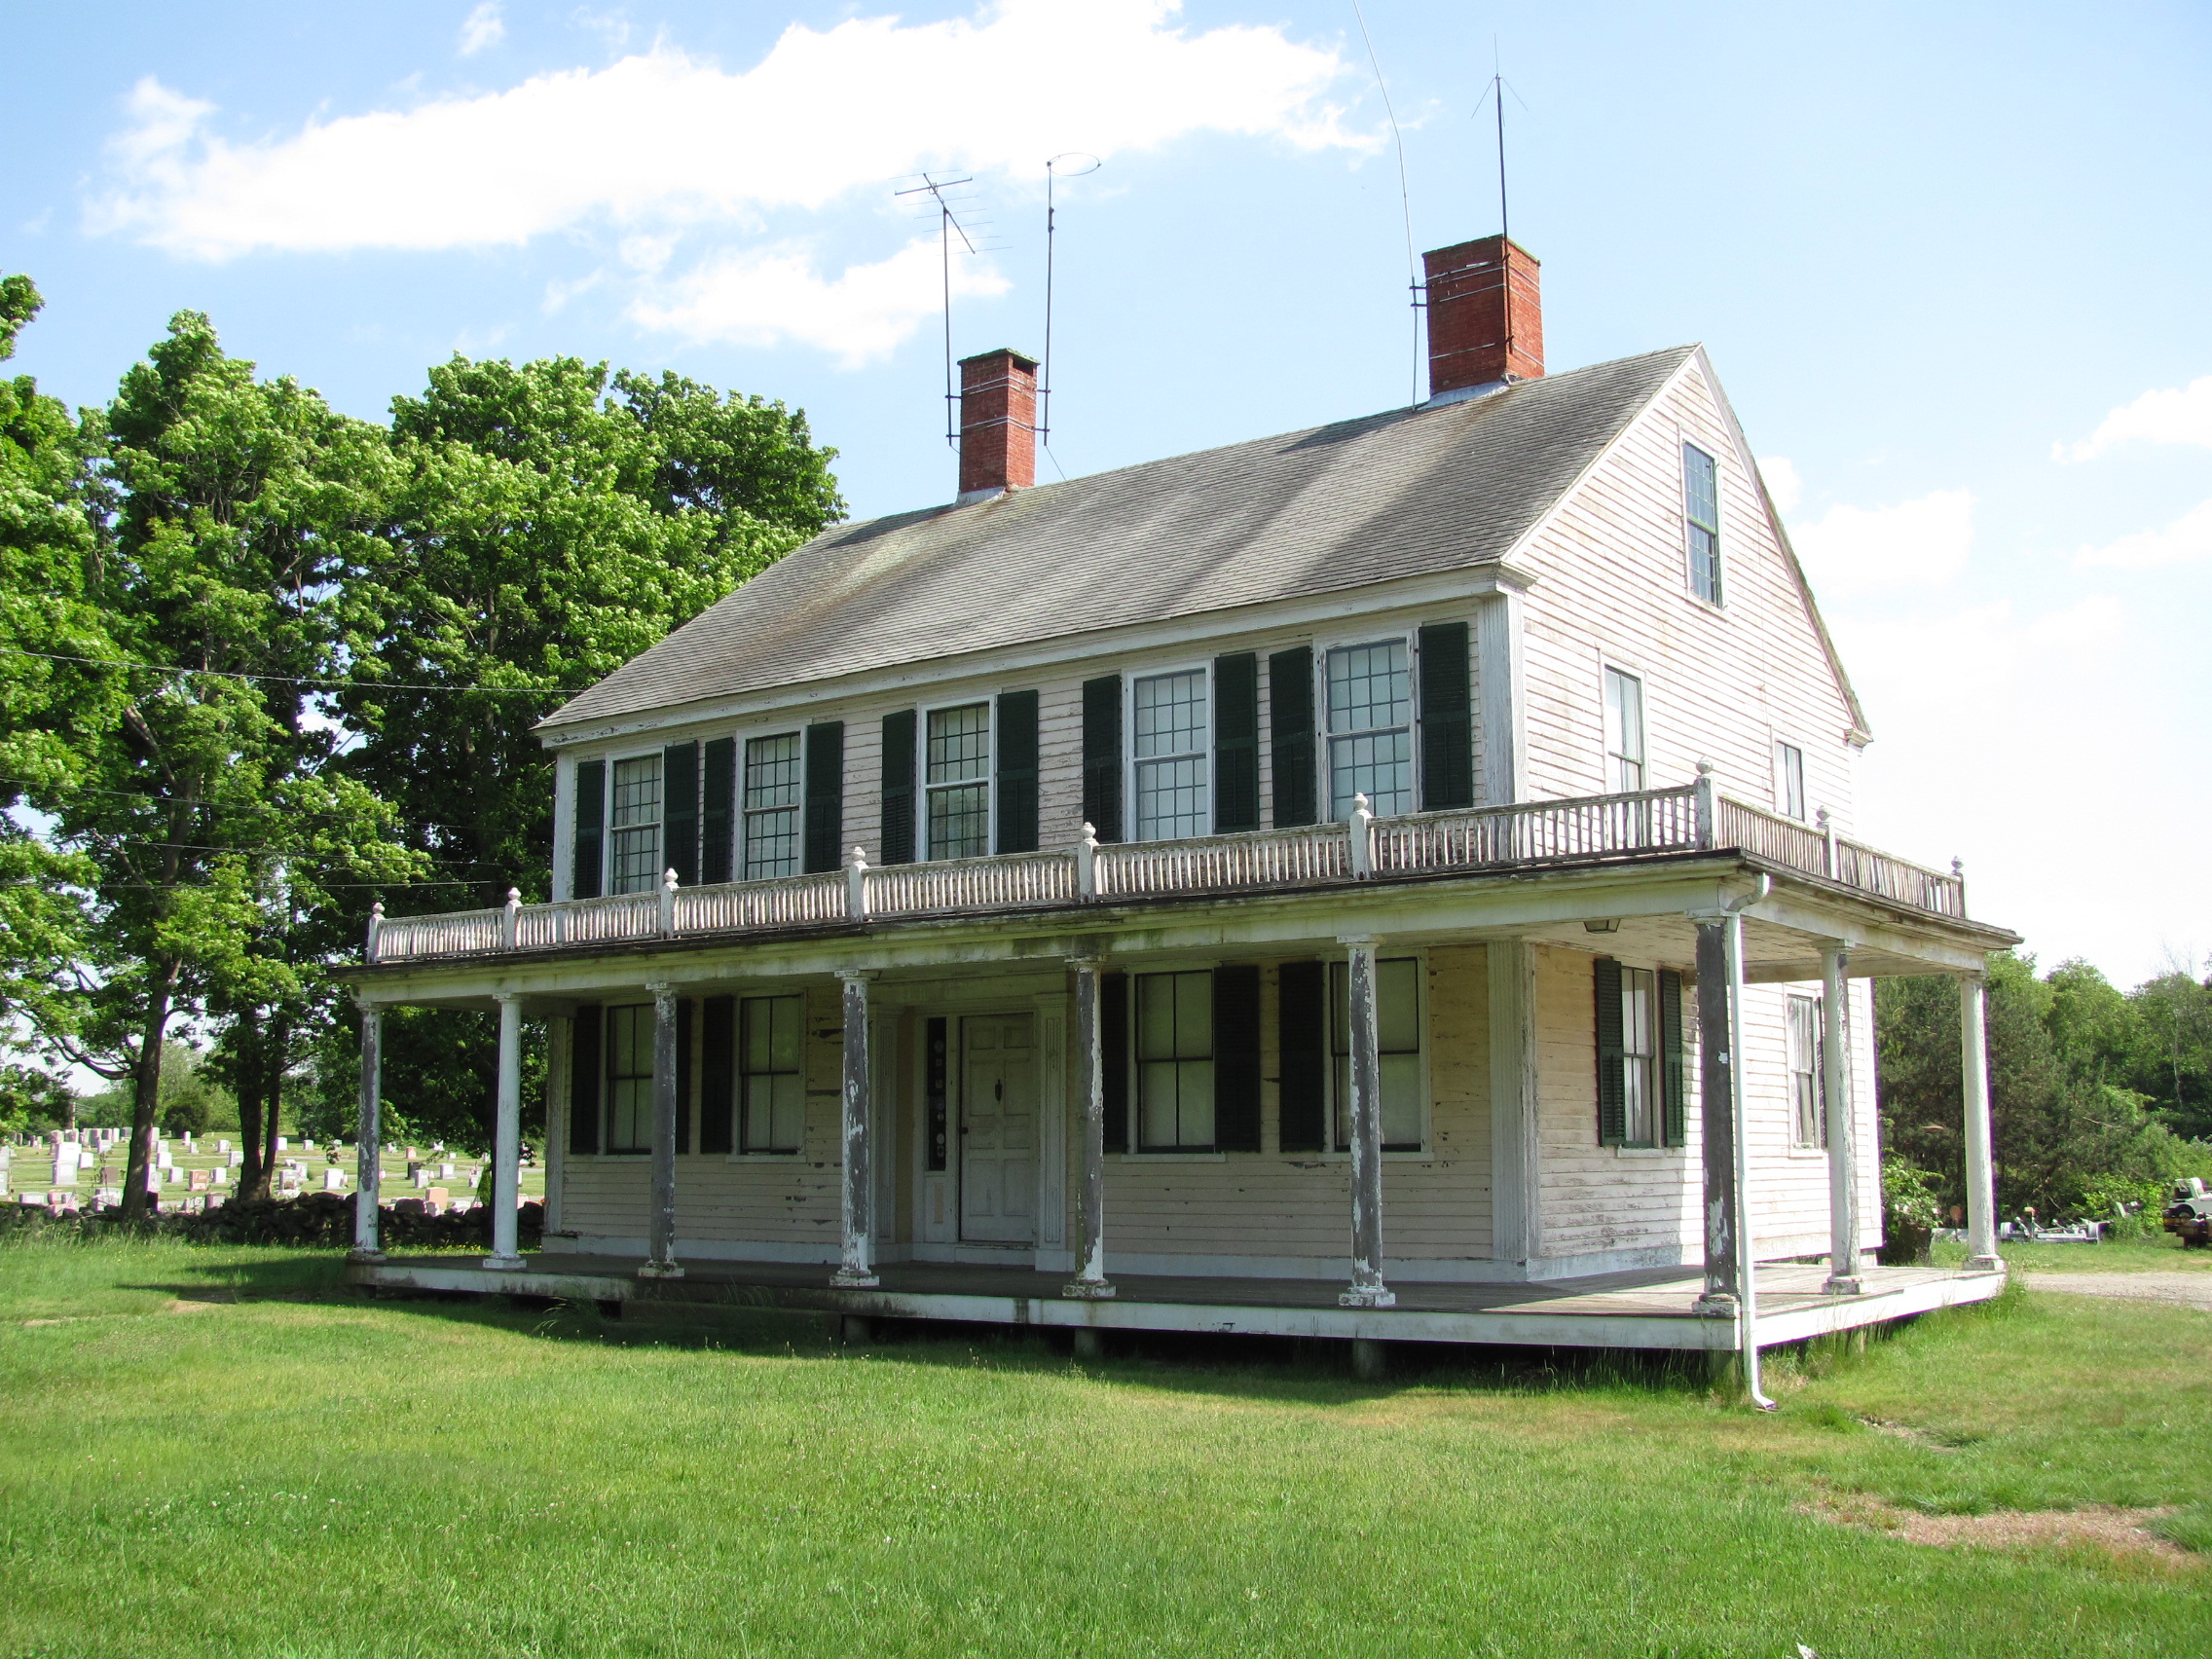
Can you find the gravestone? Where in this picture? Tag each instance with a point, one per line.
(219, 1176)
(237, 1161)
(200, 1180)
(437, 1199)
(334, 1179)
(282, 1144)
(445, 1171)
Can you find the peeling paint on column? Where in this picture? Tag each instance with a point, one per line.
(369, 1154)
(857, 1196)
(1716, 1118)
(506, 1138)
(1367, 1287)
(660, 1219)
(1091, 1281)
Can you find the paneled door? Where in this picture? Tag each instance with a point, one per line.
(998, 1129)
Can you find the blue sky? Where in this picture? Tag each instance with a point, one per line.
(1950, 263)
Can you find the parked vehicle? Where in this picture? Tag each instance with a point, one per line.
(2190, 1215)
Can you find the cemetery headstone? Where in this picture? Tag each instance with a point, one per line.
(334, 1179)
(200, 1180)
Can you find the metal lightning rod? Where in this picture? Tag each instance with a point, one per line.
(1063, 164)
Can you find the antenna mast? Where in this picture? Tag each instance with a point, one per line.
(947, 225)
(1052, 169)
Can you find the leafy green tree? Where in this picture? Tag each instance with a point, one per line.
(204, 803)
(550, 524)
(2170, 1056)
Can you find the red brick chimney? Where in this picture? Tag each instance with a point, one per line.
(998, 424)
(1486, 315)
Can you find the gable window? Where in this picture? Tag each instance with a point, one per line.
(1169, 749)
(771, 1084)
(960, 781)
(773, 783)
(630, 1079)
(1174, 1050)
(1371, 718)
(1806, 1128)
(1701, 508)
(1398, 1029)
(1790, 780)
(636, 823)
(1639, 1058)
(1624, 732)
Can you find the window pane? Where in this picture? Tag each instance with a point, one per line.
(1700, 492)
(789, 1094)
(630, 1079)
(1193, 1017)
(1397, 1005)
(960, 744)
(1398, 1034)
(960, 822)
(1624, 731)
(1171, 798)
(1156, 1080)
(1401, 1102)
(637, 791)
(1170, 714)
(772, 786)
(771, 1083)
(1194, 1102)
(1380, 767)
(1793, 781)
(1156, 1017)
(1370, 687)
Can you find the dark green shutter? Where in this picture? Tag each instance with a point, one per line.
(1235, 743)
(684, 1026)
(898, 786)
(583, 1077)
(1302, 1025)
(825, 831)
(1017, 772)
(591, 834)
(1612, 1064)
(1237, 1059)
(1447, 718)
(1114, 1057)
(680, 812)
(1102, 755)
(1290, 715)
(1674, 1127)
(717, 809)
(718, 1073)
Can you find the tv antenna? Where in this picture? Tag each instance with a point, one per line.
(949, 225)
(1069, 163)
(1495, 92)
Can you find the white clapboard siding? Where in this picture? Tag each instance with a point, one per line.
(1612, 568)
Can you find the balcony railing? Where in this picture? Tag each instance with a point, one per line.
(1693, 818)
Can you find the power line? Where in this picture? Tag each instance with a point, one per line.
(159, 804)
(293, 679)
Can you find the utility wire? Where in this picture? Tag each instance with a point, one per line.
(293, 679)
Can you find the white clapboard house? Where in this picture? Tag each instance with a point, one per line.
(1395, 880)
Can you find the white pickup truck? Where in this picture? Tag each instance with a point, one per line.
(2191, 1215)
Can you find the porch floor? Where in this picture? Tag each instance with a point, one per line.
(1649, 1308)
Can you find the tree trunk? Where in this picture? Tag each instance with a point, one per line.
(253, 1172)
(272, 1058)
(146, 1096)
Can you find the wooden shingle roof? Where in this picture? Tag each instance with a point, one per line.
(1414, 492)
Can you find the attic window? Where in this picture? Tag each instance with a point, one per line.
(1701, 507)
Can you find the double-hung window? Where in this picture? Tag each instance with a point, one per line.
(1174, 1053)
(1624, 732)
(772, 785)
(771, 1084)
(959, 781)
(1639, 1058)
(630, 1079)
(1371, 728)
(1806, 1128)
(1398, 1029)
(1790, 780)
(635, 820)
(1701, 513)
(1169, 754)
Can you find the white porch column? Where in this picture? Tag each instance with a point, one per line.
(1517, 1221)
(1091, 1282)
(507, 1138)
(1982, 1174)
(1716, 998)
(369, 1131)
(1367, 1287)
(660, 1222)
(1842, 1122)
(857, 1210)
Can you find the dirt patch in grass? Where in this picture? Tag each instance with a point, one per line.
(2121, 1532)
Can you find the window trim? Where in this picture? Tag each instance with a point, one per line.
(1608, 666)
(923, 849)
(1130, 677)
(1720, 600)
(609, 831)
(1812, 1001)
(1425, 1152)
(742, 853)
(1654, 1080)
(1324, 783)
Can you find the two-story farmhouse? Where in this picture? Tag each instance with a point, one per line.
(1392, 880)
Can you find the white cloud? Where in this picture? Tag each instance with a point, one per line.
(1917, 544)
(2177, 415)
(665, 137)
(483, 27)
(764, 296)
(1782, 484)
(2188, 539)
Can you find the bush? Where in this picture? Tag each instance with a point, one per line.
(1910, 1210)
(314, 1220)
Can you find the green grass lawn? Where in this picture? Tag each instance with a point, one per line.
(221, 1451)
(2160, 1253)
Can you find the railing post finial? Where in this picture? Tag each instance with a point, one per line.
(1827, 842)
(376, 927)
(510, 924)
(1708, 808)
(856, 884)
(1086, 861)
(668, 902)
(1362, 837)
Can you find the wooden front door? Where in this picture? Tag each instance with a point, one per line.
(998, 1129)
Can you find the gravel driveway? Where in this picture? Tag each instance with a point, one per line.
(2182, 1290)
